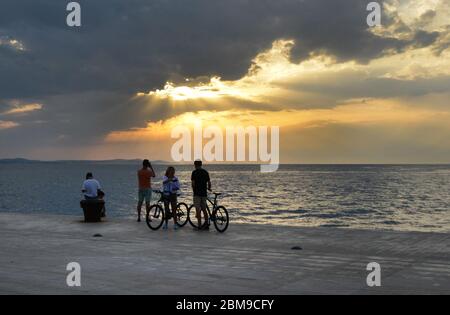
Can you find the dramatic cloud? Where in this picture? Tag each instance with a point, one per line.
(11, 43)
(139, 44)
(273, 82)
(7, 124)
(22, 109)
(135, 68)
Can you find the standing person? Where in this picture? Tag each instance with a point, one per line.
(171, 186)
(145, 186)
(201, 183)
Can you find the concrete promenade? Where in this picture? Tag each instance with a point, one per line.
(247, 259)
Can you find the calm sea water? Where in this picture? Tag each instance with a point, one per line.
(415, 198)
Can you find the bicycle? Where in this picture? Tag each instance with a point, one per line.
(219, 215)
(156, 215)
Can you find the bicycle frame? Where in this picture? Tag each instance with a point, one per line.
(181, 211)
(161, 199)
(212, 207)
(214, 204)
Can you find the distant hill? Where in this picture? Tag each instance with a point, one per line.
(17, 160)
(109, 162)
(123, 161)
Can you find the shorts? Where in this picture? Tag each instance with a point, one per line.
(200, 202)
(170, 201)
(145, 195)
(171, 198)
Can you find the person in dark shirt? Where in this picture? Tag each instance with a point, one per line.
(201, 183)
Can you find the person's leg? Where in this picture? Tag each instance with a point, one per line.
(148, 199)
(104, 212)
(139, 209)
(139, 206)
(198, 210)
(205, 212)
(174, 203)
(167, 211)
(101, 197)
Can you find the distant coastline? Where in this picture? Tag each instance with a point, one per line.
(109, 162)
(162, 162)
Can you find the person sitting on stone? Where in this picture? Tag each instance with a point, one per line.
(91, 188)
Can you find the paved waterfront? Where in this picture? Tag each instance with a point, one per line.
(247, 259)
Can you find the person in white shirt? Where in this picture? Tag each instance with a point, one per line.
(91, 188)
(171, 187)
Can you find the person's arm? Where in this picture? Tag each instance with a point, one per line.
(152, 170)
(176, 183)
(193, 181)
(166, 180)
(83, 187)
(100, 192)
(209, 183)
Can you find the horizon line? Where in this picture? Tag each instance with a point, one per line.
(220, 163)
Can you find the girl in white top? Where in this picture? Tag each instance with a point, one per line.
(171, 187)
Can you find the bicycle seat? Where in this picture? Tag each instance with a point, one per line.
(217, 194)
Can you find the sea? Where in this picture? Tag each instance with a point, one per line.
(381, 197)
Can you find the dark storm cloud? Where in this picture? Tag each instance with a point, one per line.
(84, 77)
(357, 86)
(137, 45)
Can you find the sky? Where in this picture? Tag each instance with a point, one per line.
(340, 91)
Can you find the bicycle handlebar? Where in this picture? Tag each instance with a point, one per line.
(160, 192)
(157, 191)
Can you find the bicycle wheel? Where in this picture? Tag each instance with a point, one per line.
(155, 217)
(192, 217)
(221, 219)
(182, 214)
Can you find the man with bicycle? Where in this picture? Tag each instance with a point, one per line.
(201, 183)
